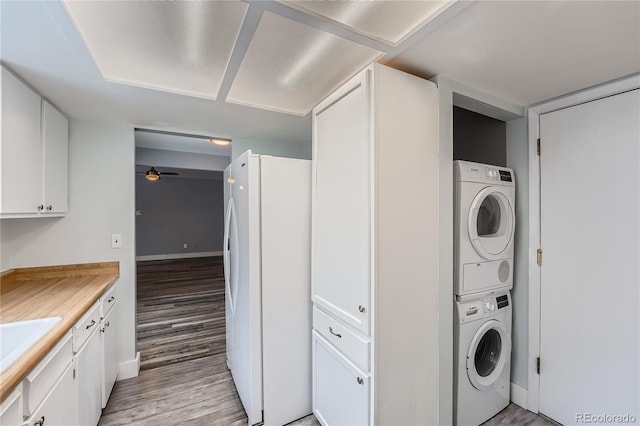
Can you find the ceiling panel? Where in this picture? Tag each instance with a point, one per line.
(388, 21)
(526, 52)
(179, 47)
(289, 67)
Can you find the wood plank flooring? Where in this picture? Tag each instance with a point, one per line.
(180, 310)
(181, 336)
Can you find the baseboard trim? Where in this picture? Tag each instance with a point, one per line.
(178, 255)
(519, 395)
(129, 369)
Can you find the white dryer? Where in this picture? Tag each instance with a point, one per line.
(482, 358)
(483, 229)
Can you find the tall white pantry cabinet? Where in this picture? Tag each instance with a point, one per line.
(375, 251)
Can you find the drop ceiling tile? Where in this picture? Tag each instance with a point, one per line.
(178, 47)
(289, 67)
(387, 21)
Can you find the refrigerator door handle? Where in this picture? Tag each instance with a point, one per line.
(227, 253)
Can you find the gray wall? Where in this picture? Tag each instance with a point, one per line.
(478, 138)
(176, 211)
(101, 203)
(279, 149)
(518, 160)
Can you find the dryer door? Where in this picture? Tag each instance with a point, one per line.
(491, 223)
(487, 354)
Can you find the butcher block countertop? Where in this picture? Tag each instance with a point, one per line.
(66, 291)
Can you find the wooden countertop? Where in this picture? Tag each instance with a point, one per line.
(66, 291)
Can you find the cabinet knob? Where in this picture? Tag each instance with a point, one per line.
(111, 299)
(334, 333)
(49, 208)
(360, 381)
(40, 207)
(39, 422)
(106, 324)
(361, 308)
(93, 322)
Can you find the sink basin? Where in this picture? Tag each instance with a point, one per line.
(17, 337)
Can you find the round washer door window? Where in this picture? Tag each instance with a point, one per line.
(487, 352)
(491, 223)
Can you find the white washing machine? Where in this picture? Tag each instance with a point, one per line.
(484, 227)
(482, 358)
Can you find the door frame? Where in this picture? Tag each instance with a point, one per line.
(601, 91)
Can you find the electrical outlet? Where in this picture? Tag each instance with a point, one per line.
(116, 241)
(185, 245)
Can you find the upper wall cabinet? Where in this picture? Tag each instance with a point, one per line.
(33, 153)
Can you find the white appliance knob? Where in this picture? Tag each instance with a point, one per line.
(489, 306)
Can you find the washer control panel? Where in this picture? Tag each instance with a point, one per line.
(485, 306)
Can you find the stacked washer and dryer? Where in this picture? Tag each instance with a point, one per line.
(483, 275)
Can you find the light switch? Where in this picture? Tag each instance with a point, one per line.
(116, 240)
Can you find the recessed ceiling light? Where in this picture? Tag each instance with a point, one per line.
(220, 141)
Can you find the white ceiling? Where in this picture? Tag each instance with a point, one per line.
(160, 65)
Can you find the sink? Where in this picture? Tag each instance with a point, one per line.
(17, 337)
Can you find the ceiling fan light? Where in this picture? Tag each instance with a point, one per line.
(152, 174)
(220, 141)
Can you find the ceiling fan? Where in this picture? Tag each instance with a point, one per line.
(152, 174)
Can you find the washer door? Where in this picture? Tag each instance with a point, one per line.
(491, 223)
(487, 352)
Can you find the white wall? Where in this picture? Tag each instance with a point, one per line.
(279, 149)
(518, 160)
(101, 202)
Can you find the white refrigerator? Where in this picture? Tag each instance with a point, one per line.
(267, 285)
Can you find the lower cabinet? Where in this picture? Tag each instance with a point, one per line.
(11, 408)
(59, 406)
(89, 380)
(340, 388)
(109, 358)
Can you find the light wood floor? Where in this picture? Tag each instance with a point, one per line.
(181, 336)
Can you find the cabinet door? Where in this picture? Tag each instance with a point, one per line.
(55, 132)
(21, 145)
(59, 407)
(89, 381)
(340, 389)
(109, 346)
(341, 203)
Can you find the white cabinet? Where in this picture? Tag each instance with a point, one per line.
(33, 151)
(340, 389)
(342, 203)
(55, 133)
(50, 395)
(108, 345)
(88, 355)
(59, 406)
(375, 251)
(11, 408)
(21, 145)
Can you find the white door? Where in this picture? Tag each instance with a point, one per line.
(109, 345)
(230, 261)
(243, 295)
(590, 233)
(90, 381)
(341, 204)
(55, 132)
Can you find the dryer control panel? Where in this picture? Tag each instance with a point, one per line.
(485, 306)
(467, 171)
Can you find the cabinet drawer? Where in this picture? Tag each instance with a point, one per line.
(108, 300)
(85, 326)
(42, 378)
(341, 391)
(348, 342)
